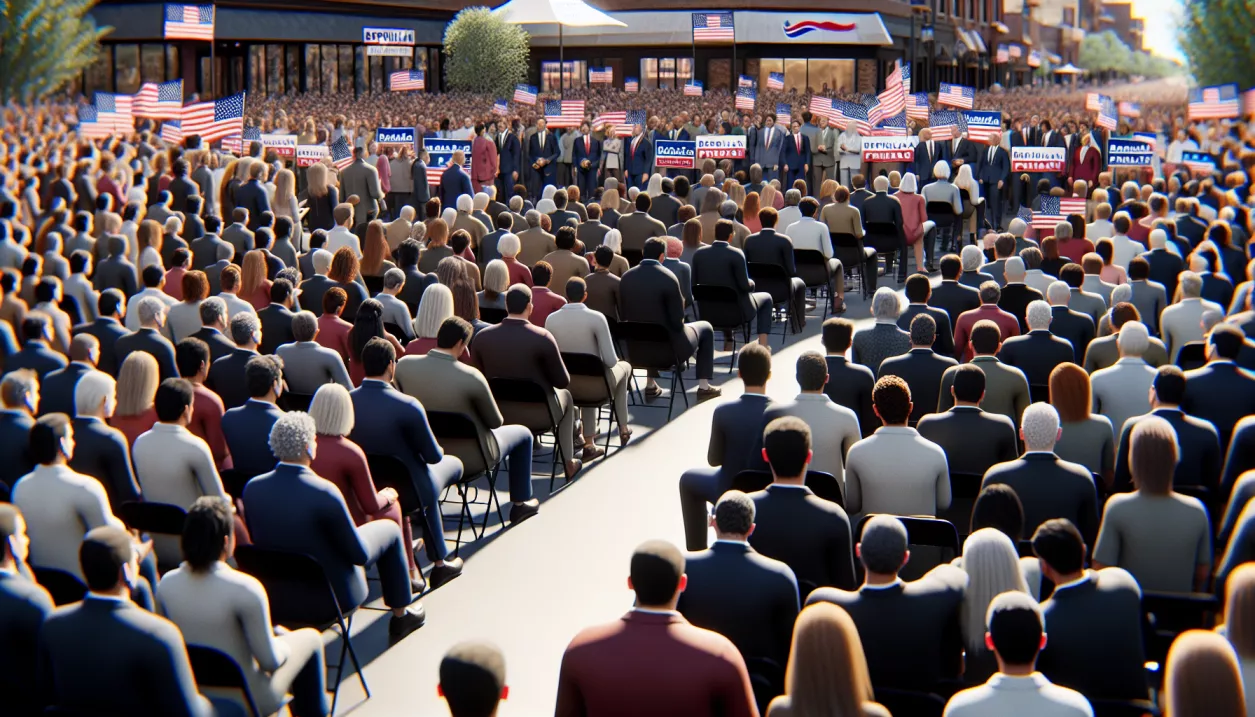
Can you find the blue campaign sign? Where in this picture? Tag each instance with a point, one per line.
(1199, 162)
(981, 124)
(675, 154)
(396, 136)
(1129, 152)
(440, 151)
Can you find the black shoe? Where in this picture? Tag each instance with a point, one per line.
(418, 585)
(520, 512)
(414, 618)
(442, 574)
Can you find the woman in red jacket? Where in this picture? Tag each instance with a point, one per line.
(915, 222)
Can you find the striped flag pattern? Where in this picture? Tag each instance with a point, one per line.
(1055, 210)
(847, 113)
(1130, 109)
(88, 126)
(1219, 102)
(784, 114)
(600, 76)
(525, 94)
(917, 106)
(215, 120)
(956, 96)
(943, 124)
(1107, 117)
(159, 101)
(1248, 103)
(189, 22)
(407, 81)
(115, 111)
(874, 111)
(564, 113)
(172, 132)
(894, 126)
(634, 117)
(1093, 101)
(631, 84)
(775, 81)
(692, 88)
(745, 98)
(744, 81)
(341, 155)
(500, 107)
(233, 144)
(616, 118)
(713, 27)
(893, 99)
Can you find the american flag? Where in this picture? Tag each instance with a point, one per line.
(159, 101)
(233, 144)
(216, 119)
(1218, 102)
(407, 80)
(564, 113)
(1034, 58)
(956, 96)
(917, 106)
(1003, 55)
(189, 22)
(525, 94)
(1130, 109)
(341, 155)
(847, 113)
(634, 117)
(784, 114)
(744, 81)
(745, 98)
(943, 124)
(115, 111)
(1093, 101)
(713, 27)
(252, 134)
(894, 126)
(172, 132)
(979, 133)
(906, 77)
(88, 127)
(1107, 117)
(1055, 210)
(692, 88)
(1015, 51)
(500, 107)
(631, 84)
(874, 111)
(893, 99)
(775, 80)
(1025, 214)
(616, 118)
(600, 76)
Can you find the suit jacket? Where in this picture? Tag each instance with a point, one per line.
(910, 631)
(152, 342)
(954, 430)
(880, 208)
(771, 247)
(1198, 451)
(180, 189)
(484, 161)
(943, 342)
(954, 298)
(454, 182)
(362, 179)
(638, 227)
(24, 606)
(101, 451)
(535, 244)
(116, 272)
(640, 158)
(1050, 487)
(603, 293)
(650, 292)
(793, 157)
(219, 344)
(307, 366)
(922, 370)
(809, 534)
(721, 264)
(240, 237)
(1006, 389)
(226, 378)
(850, 384)
(592, 153)
(690, 671)
(665, 209)
(769, 146)
(1074, 327)
(392, 423)
(992, 172)
(107, 331)
(205, 251)
(36, 356)
(312, 290)
(1036, 354)
(128, 645)
(276, 327)
(964, 149)
(592, 234)
(252, 196)
(925, 160)
(1015, 299)
(750, 599)
(510, 157)
(882, 341)
(247, 430)
(1220, 393)
(56, 391)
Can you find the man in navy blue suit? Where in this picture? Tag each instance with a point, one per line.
(247, 427)
(543, 150)
(253, 196)
(587, 155)
(992, 171)
(768, 147)
(24, 606)
(510, 160)
(640, 158)
(455, 182)
(796, 155)
(393, 424)
(57, 390)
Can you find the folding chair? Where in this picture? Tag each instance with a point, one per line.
(374, 284)
(964, 487)
(1170, 614)
(216, 669)
(234, 480)
(529, 404)
(911, 702)
(648, 346)
(853, 255)
(65, 588)
(924, 532)
(720, 306)
(388, 471)
(397, 331)
(590, 387)
(774, 280)
(300, 595)
(458, 435)
(884, 239)
(812, 268)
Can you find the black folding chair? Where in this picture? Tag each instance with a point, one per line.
(648, 346)
(591, 388)
(1039, 393)
(942, 214)
(774, 280)
(490, 315)
(1123, 708)
(65, 588)
(217, 669)
(964, 487)
(458, 435)
(823, 485)
(911, 702)
(925, 532)
(884, 239)
(529, 404)
(812, 268)
(300, 595)
(853, 255)
(293, 401)
(374, 284)
(1170, 614)
(720, 306)
(388, 471)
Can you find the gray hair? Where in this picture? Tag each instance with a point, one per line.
(322, 261)
(533, 218)
(971, 257)
(243, 325)
(614, 240)
(1058, 293)
(1017, 227)
(226, 251)
(1038, 315)
(1191, 285)
(150, 309)
(509, 244)
(1158, 239)
(292, 435)
(212, 310)
(880, 184)
(1040, 426)
(941, 170)
(304, 326)
(792, 197)
(727, 209)
(1122, 293)
(393, 278)
(332, 410)
(516, 203)
(1014, 267)
(992, 565)
(91, 389)
(1133, 339)
(465, 204)
(1063, 230)
(174, 225)
(882, 547)
(408, 213)
(496, 276)
(435, 306)
(480, 200)
(885, 304)
(734, 513)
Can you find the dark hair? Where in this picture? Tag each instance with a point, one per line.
(334, 299)
(1169, 385)
(174, 395)
(564, 237)
(78, 261)
(1059, 544)
(768, 217)
(261, 373)
(407, 252)
(101, 556)
(809, 206)
(575, 290)
(472, 679)
(1227, 340)
(376, 355)
(152, 276)
(812, 371)
(999, 507)
(724, 229)
(451, 331)
(918, 289)
(603, 254)
(1073, 275)
(517, 299)
(367, 324)
(787, 441)
(109, 301)
(837, 335)
(655, 249)
(1015, 628)
(206, 529)
(969, 383)
(951, 266)
(985, 337)
(643, 202)
(45, 437)
(656, 570)
(892, 398)
(923, 330)
(33, 327)
(542, 272)
(189, 355)
(459, 240)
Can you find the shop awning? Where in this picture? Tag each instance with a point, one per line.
(980, 42)
(967, 40)
(1001, 28)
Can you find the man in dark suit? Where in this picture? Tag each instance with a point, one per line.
(640, 159)
(849, 384)
(973, 439)
(411, 291)
(239, 234)
(454, 181)
(992, 170)
(101, 451)
(793, 525)
(768, 148)
(951, 296)
(543, 152)
(213, 318)
(562, 214)
(24, 606)
(665, 207)
(1189, 226)
(252, 196)
(860, 193)
(921, 367)
(510, 162)
(1017, 295)
(911, 631)
(92, 653)
(882, 217)
(1048, 486)
(918, 291)
(1047, 136)
(748, 598)
(1094, 619)
(205, 249)
(733, 434)
(586, 156)
(1198, 442)
(247, 427)
(592, 232)
(227, 374)
(393, 424)
(181, 187)
(927, 153)
(1037, 352)
(19, 394)
(152, 317)
(650, 293)
(1072, 326)
(107, 329)
(689, 671)
(116, 271)
(770, 247)
(56, 392)
(1220, 392)
(35, 353)
(722, 264)
(795, 156)
(963, 151)
(276, 319)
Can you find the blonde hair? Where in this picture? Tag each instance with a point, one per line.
(149, 234)
(316, 178)
(253, 273)
(285, 190)
(435, 306)
(609, 200)
(1239, 610)
(768, 197)
(496, 277)
(137, 384)
(993, 567)
(1202, 678)
(827, 674)
(332, 410)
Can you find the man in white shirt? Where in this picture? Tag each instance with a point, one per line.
(810, 233)
(154, 280)
(1124, 247)
(1102, 226)
(790, 212)
(1181, 322)
(1016, 634)
(342, 233)
(840, 425)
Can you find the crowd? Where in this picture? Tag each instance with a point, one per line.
(212, 366)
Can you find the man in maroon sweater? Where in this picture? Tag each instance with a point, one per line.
(988, 310)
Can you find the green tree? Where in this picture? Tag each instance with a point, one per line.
(43, 45)
(1104, 54)
(484, 53)
(1218, 37)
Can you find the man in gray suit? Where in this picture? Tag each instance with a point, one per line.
(823, 156)
(639, 226)
(1006, 388)
(1090, 304)
(1150, 297)
(1122, 391)
(307, 364)
(238, 235)
(768, 146)
(592, 232)
(362, 179)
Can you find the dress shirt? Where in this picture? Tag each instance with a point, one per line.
(897, 471)
(60, 507)
(338, 237)
(1028, 696)
(807, 233)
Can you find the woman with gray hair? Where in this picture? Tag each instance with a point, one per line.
(614, 240)
(342, 462)
(992, 566)
(943, 191)
(884, 339)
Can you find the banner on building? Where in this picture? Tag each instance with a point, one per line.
(1038, 159)
(675, 154)
(284, 145)
(308, 155)
(889, 149)
(721, 146)
(1129, 152)
(387, 36)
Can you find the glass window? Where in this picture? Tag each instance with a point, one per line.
(795, 75)
(766, 67)
(649, 73)
(96, 78)
(683, 70)
(574, 71)
(376, 74)
(274, 69)
(346, 68)
(313, 68)
(826, 75)
(257, 69)
(126, 68)
(174, 69)
(330, 69)
(433, 70)
(151, 59)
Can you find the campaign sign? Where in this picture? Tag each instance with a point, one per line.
(284, 145)
(1038, 159)
(308, 155)
(395, 136)
(1199, 162)
(721, 146)
(889, 149)
(675, 154)
(1125, 152)
(440, 153)
(387, 36)
(982, 125)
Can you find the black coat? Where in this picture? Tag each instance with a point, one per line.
(943, 343)
(152, 342)
(850, 384)
(56, 391)
(809, 534)
(1074, 327)
(954, 430)
(107, 331)
(1050, 487)
(219, 344)
(226, 378)
(276, 327)
(15, 428)
(954, 298)
(1036, 354)
(1198, 451)
(102, 452)
(1220, 393)
(1015, 299)
(922, 370)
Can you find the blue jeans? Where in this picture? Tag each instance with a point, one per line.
(439, 475)
(385, 548)
(515, 443)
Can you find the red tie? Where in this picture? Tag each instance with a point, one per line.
(799, 143)
(587, 146)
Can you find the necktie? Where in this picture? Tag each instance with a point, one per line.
(768, 136)
(991, 155)
(799, 143)
(587, 146)
(930, 150)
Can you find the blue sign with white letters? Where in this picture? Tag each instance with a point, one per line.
(675, 154)
(395, 136)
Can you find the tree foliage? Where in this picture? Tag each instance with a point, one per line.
(1218, 37)
(1105, 54)
(43, 45)
(484, 53)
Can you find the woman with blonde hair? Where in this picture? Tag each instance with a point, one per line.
(254, 286)
(226, 188)
(496, 284)
(436, 249)
(321, 198)
(461, 276)
(137, 387)
(691, 238)
(509, 247)
(993, 567)
(827, 191)
(654, 189)
(149, 237)
(770, 194)
(736, 193)
(969, 193)
(749, 210)
(827, 674)
(614, 240)
(610, 208)
(1202, 678)
(1088, 437)
(340, 461)
(375, 251)
(1239, 625)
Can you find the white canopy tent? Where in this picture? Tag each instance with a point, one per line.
(1068, 69)
(569, 13)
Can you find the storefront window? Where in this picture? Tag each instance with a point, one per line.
(96, 76)
(576, 72)
(330, 69)
(257, 69)
(174, 70)
(795, 75)
(665, 72)
(649, 73)
(376, 74)
(293, 73)
(274, 69)
(765, 68)
(151, 59)
(313, 68)
(826, 75)
(126, 68)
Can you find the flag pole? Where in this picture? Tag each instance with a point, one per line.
(693, 39)
(213, 65)
(736, 76)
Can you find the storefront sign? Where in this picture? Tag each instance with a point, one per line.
(1123, 152)
(387, 36)
(721, 146)
(889, 149)
(308, 155)
(284, 145)
(390, 50)
(675, 154)
(395, 136)
(837, 28)
(1038, 159)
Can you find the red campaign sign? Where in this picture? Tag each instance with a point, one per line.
(729, 146)
(1038, 159)
(891, 155)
